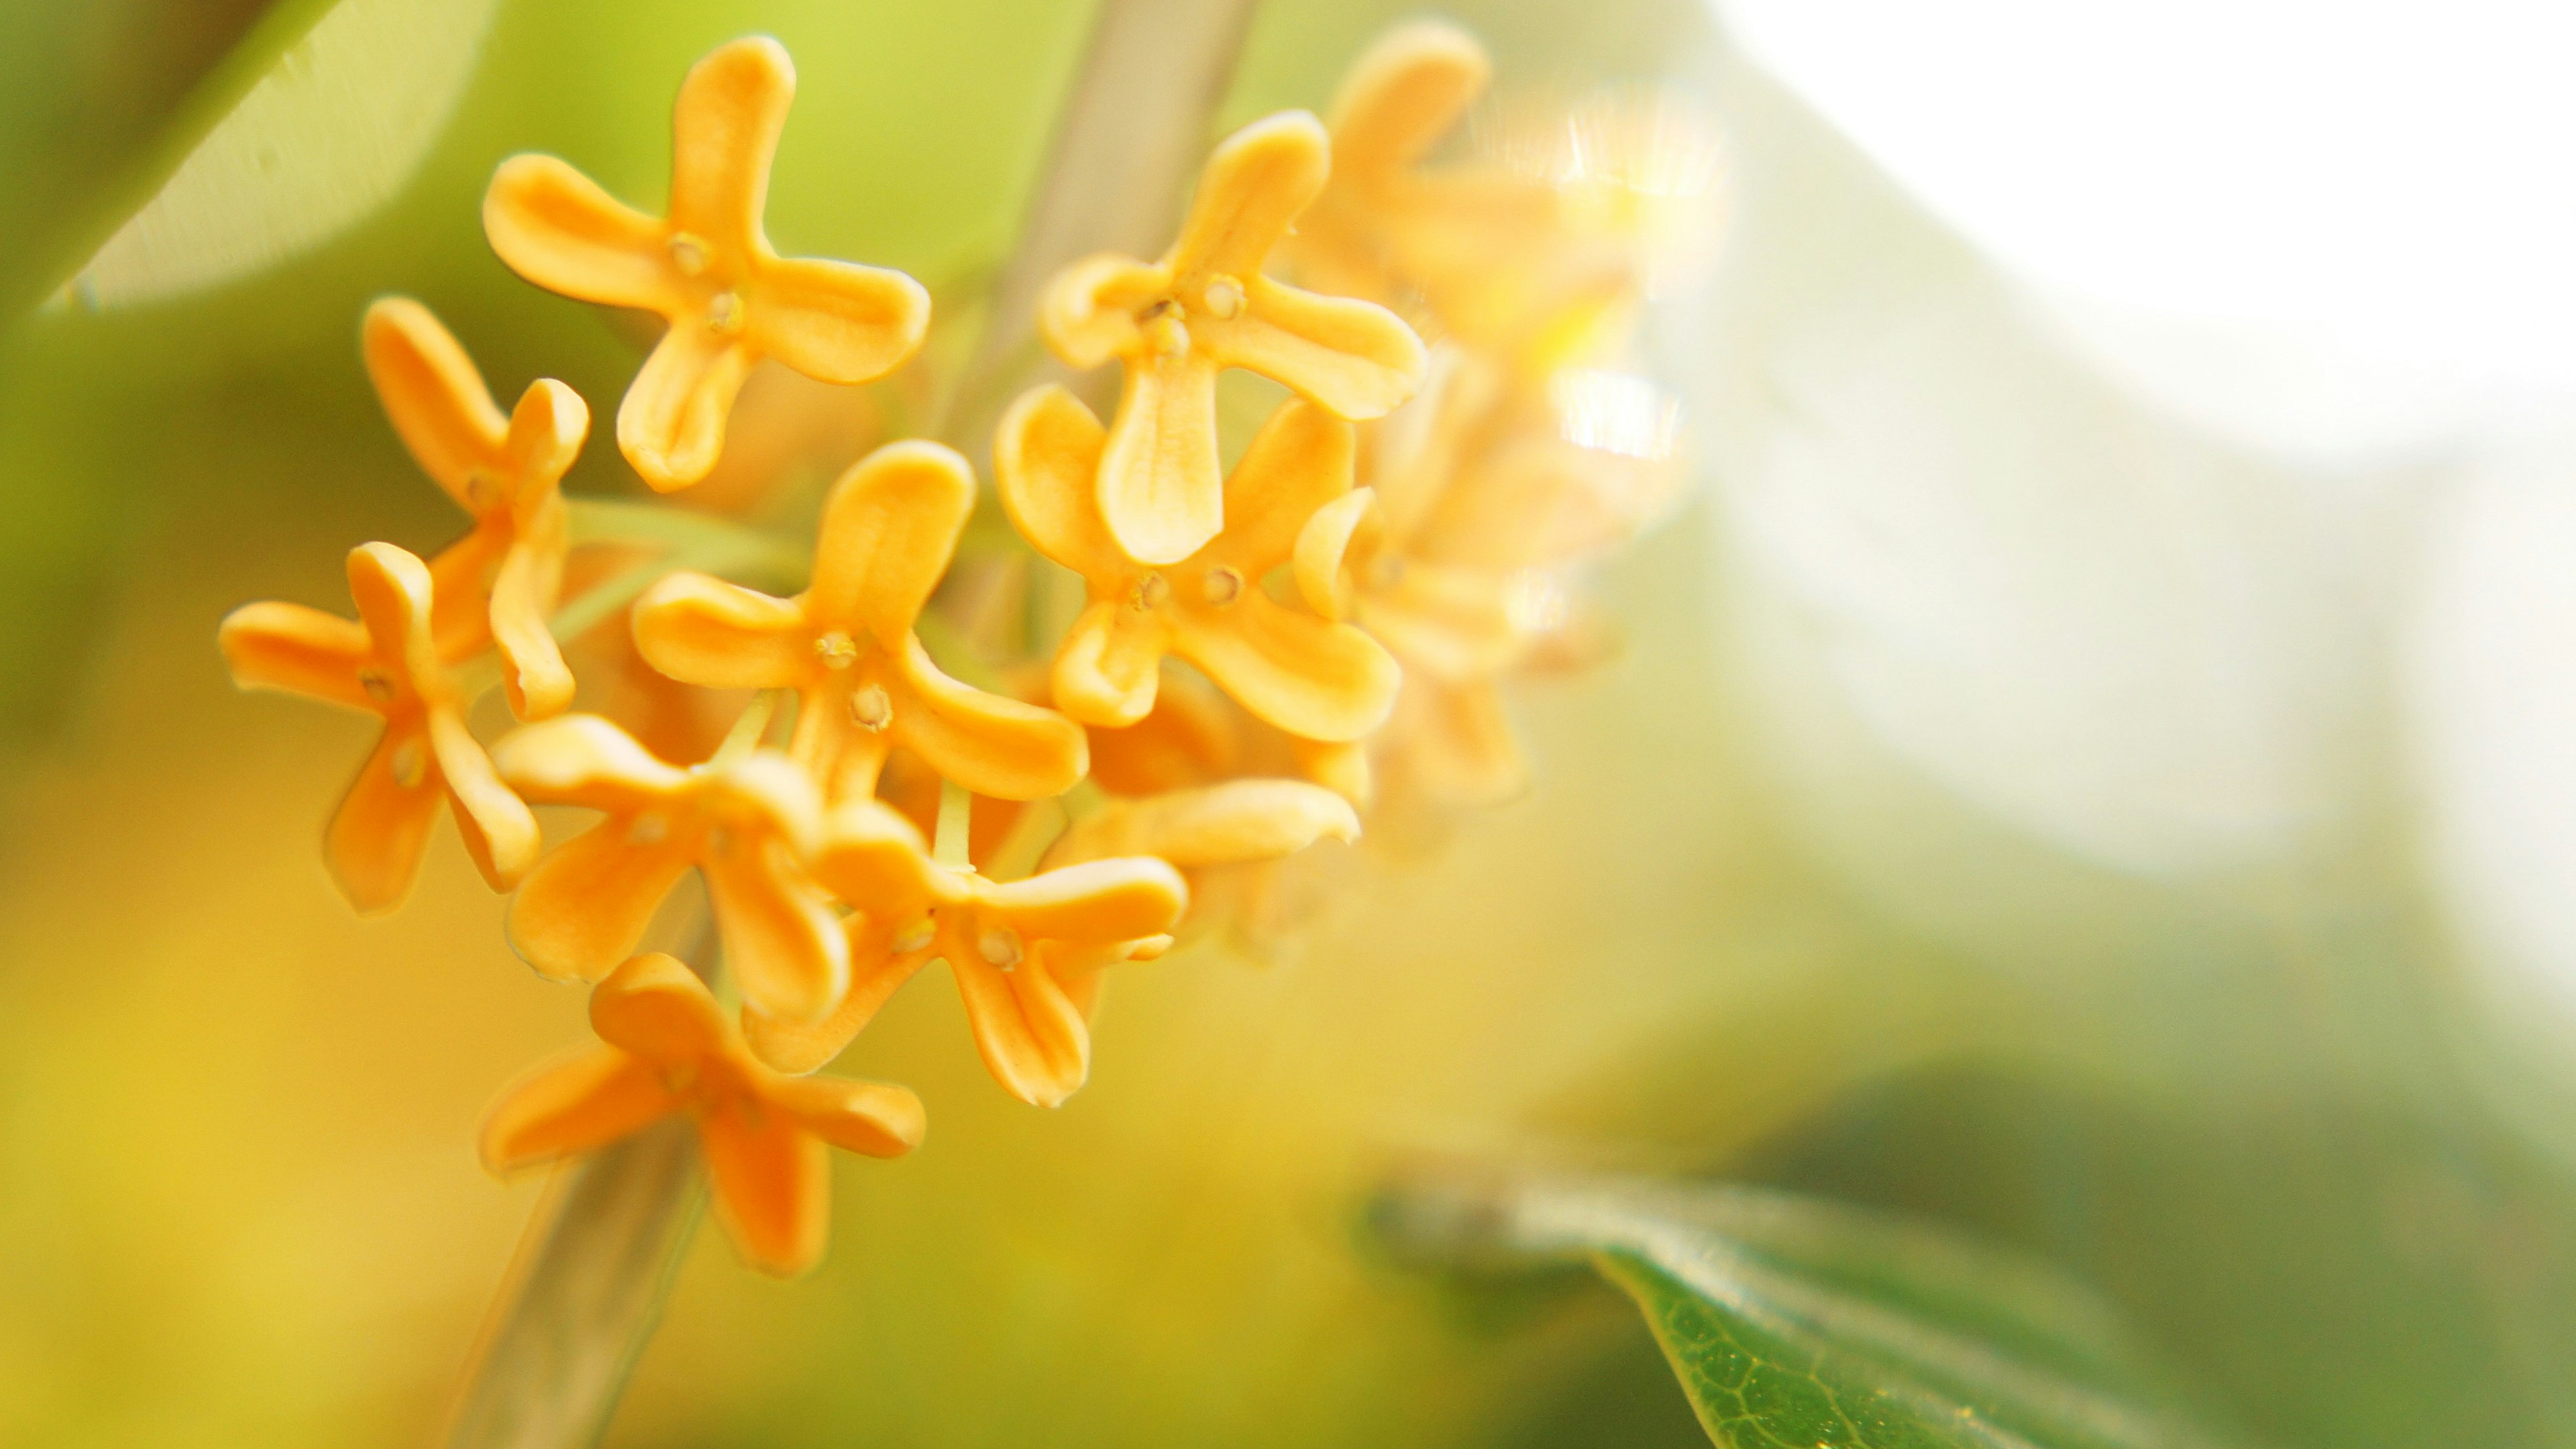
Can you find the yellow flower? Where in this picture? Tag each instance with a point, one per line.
(669, 1048)
(1310, 677)
(1229, 841)
(1027, 954)
(1205, 307)
(497, 583)
(707, 268)
(385, 662)
(747, 825)
(847, 645)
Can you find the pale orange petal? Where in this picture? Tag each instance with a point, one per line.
(888, 529)
(1095, 902)
(989, 744)
(782, 940)
(534, 676)
(1255, 183)
(671, 425)
(547, 428)
(701, 630)
(1046, 463)
(1088, 312)
(1159, 493)
(724, 127)
(585, 905)
(461, 576)
(772, 1183)
(803, 1046)
(1339, 766)
(586, 1099)
(1467, 752)
(583, 759)
(1353, 358)
(297, 650)
(1401, 96)
(500, 831)
(1031, 1035)
(434, 396)
(1309, 677)
(774, 794)
(837, 321)
(1234, 823)
(1108, 668)
(376, 837)
(396, 602)
(1298, 462)
(557, 228)
(876, 861)
(1333, 533)
(875, 1119)
(659, 1009)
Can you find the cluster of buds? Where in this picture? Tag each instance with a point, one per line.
(955, 752)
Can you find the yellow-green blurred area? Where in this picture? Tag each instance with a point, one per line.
(238, 1196)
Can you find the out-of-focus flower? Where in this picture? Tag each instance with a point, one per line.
(385, 662)
(707, 268)
(1205, 307)
(668, 1048)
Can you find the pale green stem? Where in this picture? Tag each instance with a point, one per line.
(956, 815)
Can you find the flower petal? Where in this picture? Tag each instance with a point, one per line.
(1234, 823)
(724, 129)
(1464, 750)
(671, 425)
(777, 797)
(876, 861)
(585, 1099)
(1401, 96)
(1088, 312)
(434, 396)
(461, 576)
(547, 429)
(659, 1009)
(781, 937)
(803, 1046)
(557, 228)
(1046, 466)
(533, 672)
(1322, 680)
(1341, 766)
(1299, 461)
(773, 1184)
(837, 321)
(1031, 1035)
(500, 831)
(583, 759)
(375, 839)
(1255, 183)
(583, 907)
(1094, 902)
(397, 603)
(1333, 533)
(701, 630)
(1109, 666)
(989, 744)
(873, 1118)
(297, 650)
(1160, 496)
(888, 530)
(1353, 358)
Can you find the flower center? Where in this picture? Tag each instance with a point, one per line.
(1223, 297)
(378, 684)
(688, 254)
(1165, 333)
(871, 708)
(836, 650)
(724, 314)
(411, 764)
(1149, 593)
(1223, 586)
(648, 828)
(1000, 946)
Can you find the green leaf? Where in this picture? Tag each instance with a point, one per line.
(330, 129)
(1794, 1322)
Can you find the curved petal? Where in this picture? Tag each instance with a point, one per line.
(500, 831)
(989, 744)
(657, 1008)
(888, 530)
(583, 908)
(1325, 545)
(1353, 358)
(1094, 902)
(547, 429)
(557, 228)
(583, 759)
(701, 630)
(434, 395)
(770, 793)
(1321, 680)
(876, 861)
(1046, 466)
(837, 321)
(1235, 823)
(803, 1046)
(1159, 493)
(1401, 96)
(585, 1099)
(1455, 623)
(297, 650)
(1341, 766)
(772, 1184)
(1299, 461)
(533, 675)
(671, 425)
(461, 576)
(397, 603)
(872, 1118)
(1465, 749)
(1031, 1035)
(1255, 183)
(781, 936)
(1088, 312)
(724, 128)
(1190, 736)
(1109, 666)
(375, 838)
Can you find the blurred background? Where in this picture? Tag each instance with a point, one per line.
(2092, 764)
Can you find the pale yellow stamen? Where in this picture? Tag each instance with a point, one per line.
(688, 254)
(724, 314)
(872, 709)
(411, 765)
(1223, 297)
(915, 936)
(1000, 946)
(1165, 332)
(378, 685)
(1223, 586)
(836, 650)
(648, 828)
(1149, 593)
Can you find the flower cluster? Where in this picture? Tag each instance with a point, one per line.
(1031, 756)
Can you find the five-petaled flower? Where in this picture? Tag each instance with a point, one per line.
(1205, 307)
(668, 1048)
(496, 583)
(847, 646)
(707, 268)
(1311, 677)
(1027, 954)
(385, 662)
(747, 825)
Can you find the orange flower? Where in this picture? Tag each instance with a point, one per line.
(707, 268)
(847, 645)
(1228, 840)
(1027, 954)
(1205, 307)
(498, 582)
(747, 825)
(669, 1048)
(385, 662)
(1308, 676)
